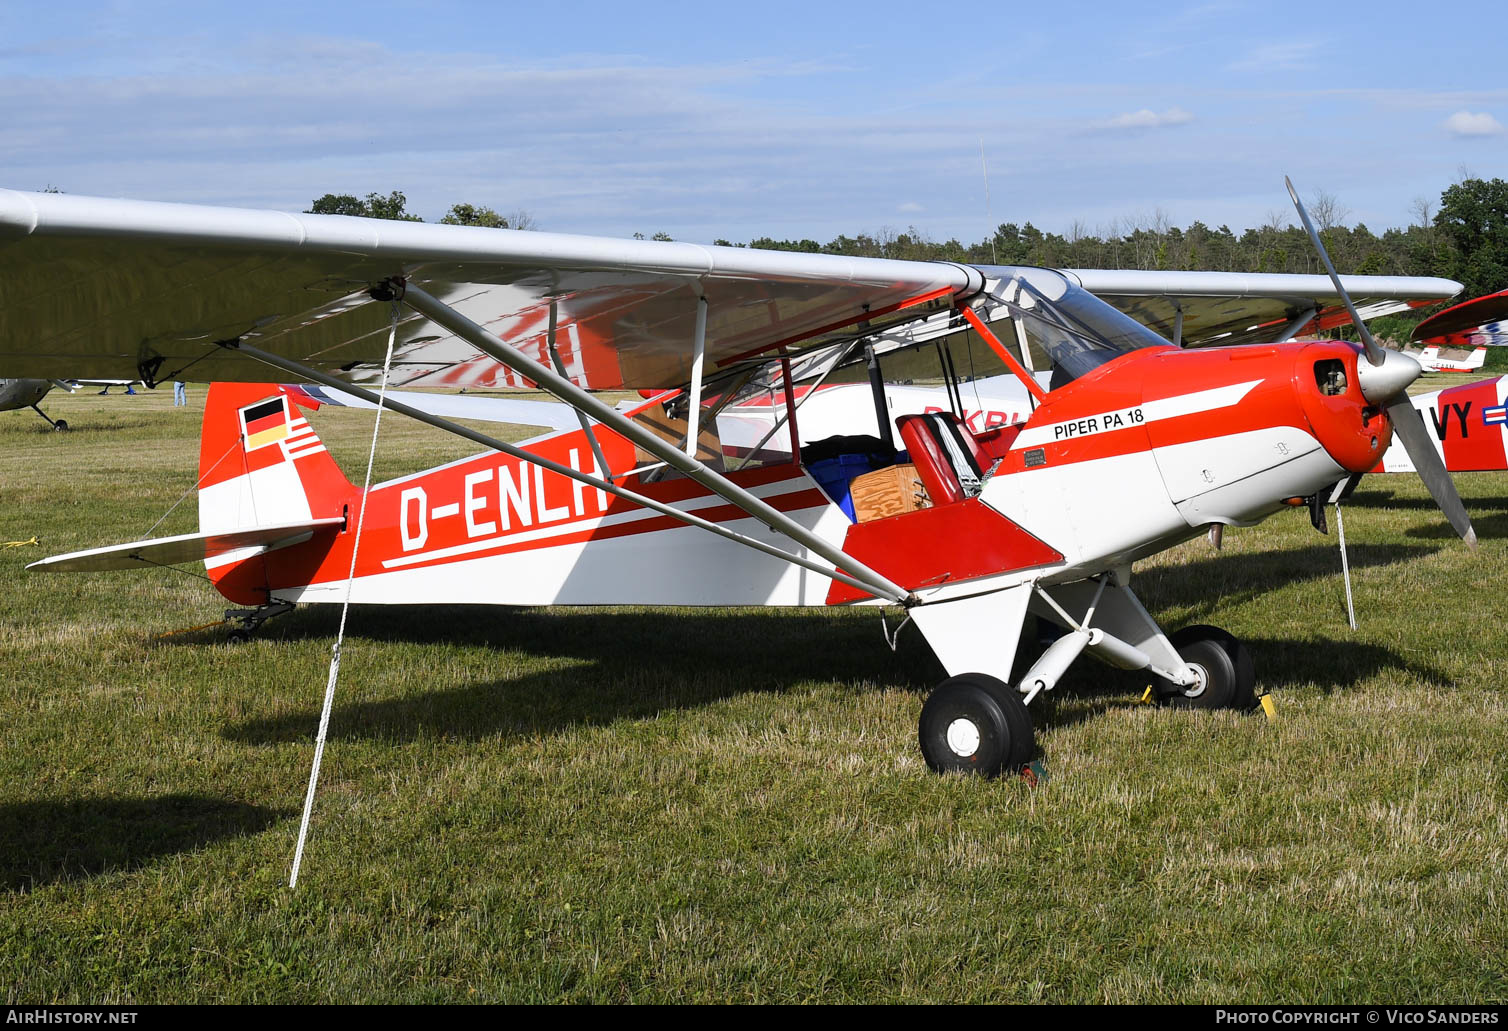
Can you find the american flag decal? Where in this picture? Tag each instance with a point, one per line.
(301, 440)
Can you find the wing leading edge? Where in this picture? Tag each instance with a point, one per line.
(1252, 307)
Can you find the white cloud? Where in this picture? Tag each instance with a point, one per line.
(1146, 118)
(1464, 123)
(910, 207)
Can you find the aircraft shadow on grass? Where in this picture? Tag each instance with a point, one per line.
(1206, 586)
(1091, 690)
(633, 665)
(623, 665)
(1385, 499)
(1488, 528)
(45, 842)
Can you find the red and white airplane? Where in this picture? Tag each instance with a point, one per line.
(1135, 445)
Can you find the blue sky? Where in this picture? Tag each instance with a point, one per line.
(782, 119)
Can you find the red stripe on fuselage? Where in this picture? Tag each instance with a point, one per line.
(391, 521)
(1149, 376)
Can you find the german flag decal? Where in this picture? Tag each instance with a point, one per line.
(265, 422)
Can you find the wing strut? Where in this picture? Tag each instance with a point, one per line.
(881, 589)
(442, 314)
(694, 392)
(586, 426)
(1295, 327)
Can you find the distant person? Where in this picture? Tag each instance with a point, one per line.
(180, 393)
(129, 390)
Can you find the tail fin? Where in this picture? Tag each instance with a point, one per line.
(260, 463)
(1478, 358)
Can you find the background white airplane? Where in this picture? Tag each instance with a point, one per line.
(1434, 361)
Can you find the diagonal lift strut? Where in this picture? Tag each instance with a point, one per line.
(852, 573)
(548, 379)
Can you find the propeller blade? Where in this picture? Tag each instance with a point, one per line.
(1408, 425)
(1375, 353)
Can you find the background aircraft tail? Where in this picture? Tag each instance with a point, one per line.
(261, 463)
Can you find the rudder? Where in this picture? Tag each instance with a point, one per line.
(260, 462)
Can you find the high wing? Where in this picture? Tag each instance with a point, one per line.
(118, 288)
(1247, 308)
(131, 289)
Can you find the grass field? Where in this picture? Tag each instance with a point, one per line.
(728, 805)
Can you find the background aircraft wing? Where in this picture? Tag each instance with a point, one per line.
(1463, 318)
(116, 288)
(1248, 308)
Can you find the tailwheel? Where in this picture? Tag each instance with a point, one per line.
(1226, 678)
(973, 723)
(247, 621)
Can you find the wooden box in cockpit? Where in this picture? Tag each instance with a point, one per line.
(887, 492)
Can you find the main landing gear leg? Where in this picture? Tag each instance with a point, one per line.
(60, 425)
(976, 721)
(1198, 667)
(1226, 679)
(249, 620)
(976, 724)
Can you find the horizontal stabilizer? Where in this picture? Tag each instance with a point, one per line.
(188, 547)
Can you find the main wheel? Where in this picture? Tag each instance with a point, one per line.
(1226, 678)
(975, 724)
(61, 425)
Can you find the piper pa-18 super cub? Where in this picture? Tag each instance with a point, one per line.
(1138, 444)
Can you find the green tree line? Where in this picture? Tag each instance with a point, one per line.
(395, 207)
(1465, 239)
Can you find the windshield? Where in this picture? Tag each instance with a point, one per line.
(1066, 326)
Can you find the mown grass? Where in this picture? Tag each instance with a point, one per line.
(728, 805)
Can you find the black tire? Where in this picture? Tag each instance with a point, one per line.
(60, 425)
(1229, 679)
(240, 635)
(975, 724)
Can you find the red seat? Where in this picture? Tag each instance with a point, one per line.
(946, 455)
(996, 443)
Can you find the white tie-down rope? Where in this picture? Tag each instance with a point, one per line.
(1345, 568)
(324, 716)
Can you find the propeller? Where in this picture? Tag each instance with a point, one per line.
(1384, 381)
